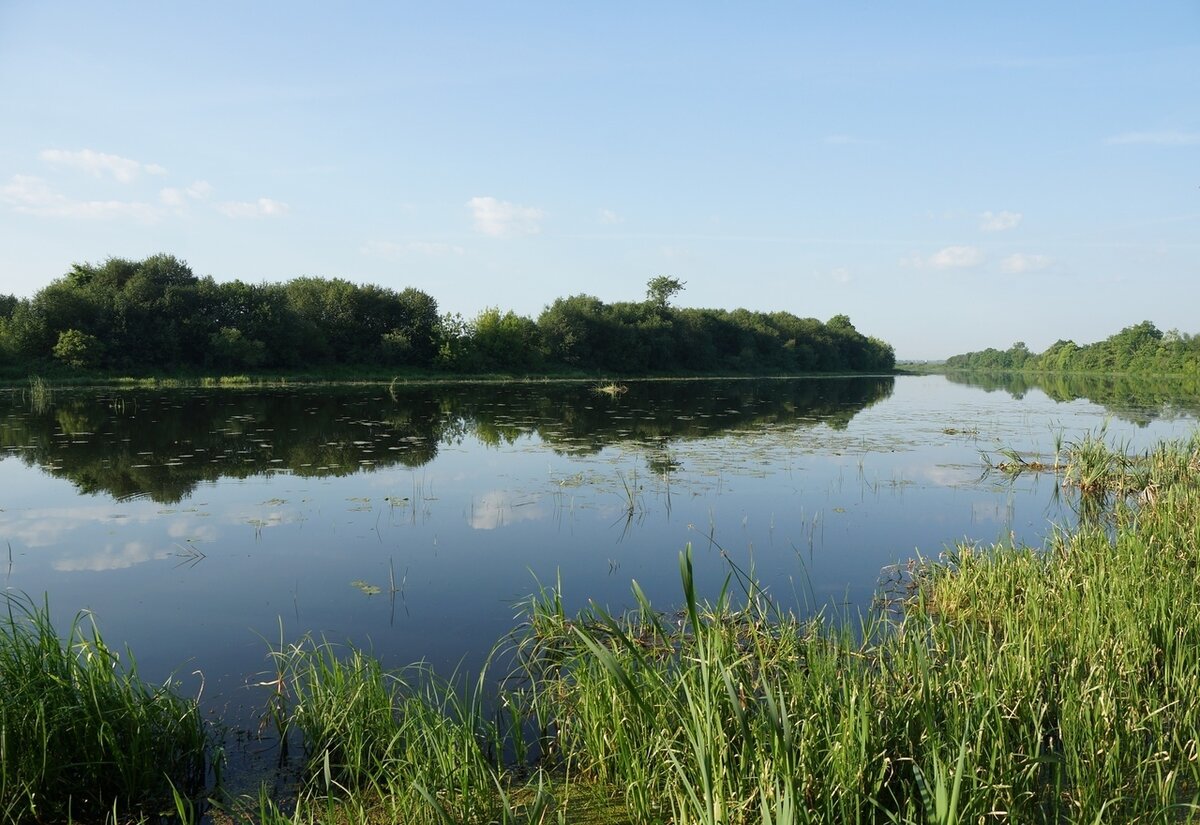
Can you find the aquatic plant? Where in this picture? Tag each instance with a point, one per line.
(81, 735)
(1035, 684)
(40, 394)
(610, 388)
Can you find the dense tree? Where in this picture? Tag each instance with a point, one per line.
(78, 349)
(506, 341)
(155, 314)
(1141, 348)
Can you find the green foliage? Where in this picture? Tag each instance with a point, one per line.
(660, 290)
(1141, 348)
(78, 349)
(81, 736)
(229, 347)
(506, 341)
(155, 314)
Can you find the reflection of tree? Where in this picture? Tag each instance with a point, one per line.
(1136, 399)
(163, 445)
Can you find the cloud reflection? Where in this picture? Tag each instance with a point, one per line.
(111, 558)
(499, 508)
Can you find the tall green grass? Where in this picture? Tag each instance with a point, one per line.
(1056, 684)
(82, 737)
(40, 394)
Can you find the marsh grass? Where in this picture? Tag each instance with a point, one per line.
(82, 737)
(612, 389)
(40, 394)
(1055, 684)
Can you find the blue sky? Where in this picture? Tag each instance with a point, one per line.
(950, 175)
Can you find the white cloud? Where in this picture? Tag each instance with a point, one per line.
(261, 208)
(33, 196)
(199, 190)
(1170, 137)
(173, 196)
(999, 221)
(100, 164)
(956, 257)
(841, 275)
(1018, 263)
(607, 216)
(501, 219)
(396, 251)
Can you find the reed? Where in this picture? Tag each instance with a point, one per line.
(610, 388)
(1053, 684)
(81, 735)
(402, 744)
(40, 394)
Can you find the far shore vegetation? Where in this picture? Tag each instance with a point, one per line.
(154, 317)
(1139, 349)
(1006, 683)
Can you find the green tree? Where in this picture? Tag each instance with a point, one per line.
(230, 348)
(660, 290)
(506, 340)
(78, 349)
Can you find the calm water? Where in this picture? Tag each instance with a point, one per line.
(197, 525)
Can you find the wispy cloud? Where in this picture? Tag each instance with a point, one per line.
(33, 196)
(1017, 263)
(173, 196)
(101, 164)
(999, 221)
(501, 219)
(950, 257)
(841, 275)
(395, 251)
(261, 208)
(609, 217)
(1168, 137)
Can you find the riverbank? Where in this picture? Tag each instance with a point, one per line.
(369, 376)
(1035, 684)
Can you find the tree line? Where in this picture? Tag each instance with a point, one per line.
(155, 314)
(1142, 348)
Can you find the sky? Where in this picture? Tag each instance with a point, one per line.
(951, 175)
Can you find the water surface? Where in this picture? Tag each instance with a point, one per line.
(200, 525)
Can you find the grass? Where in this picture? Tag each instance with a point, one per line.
(610, 388)
(40, 394)
(82, 737)
(1054, 684)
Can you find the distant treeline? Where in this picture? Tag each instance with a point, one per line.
(155, 314)
(1142, 348)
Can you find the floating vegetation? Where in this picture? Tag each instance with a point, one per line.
(366, 587)
(1015, 464)
(610, 388)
